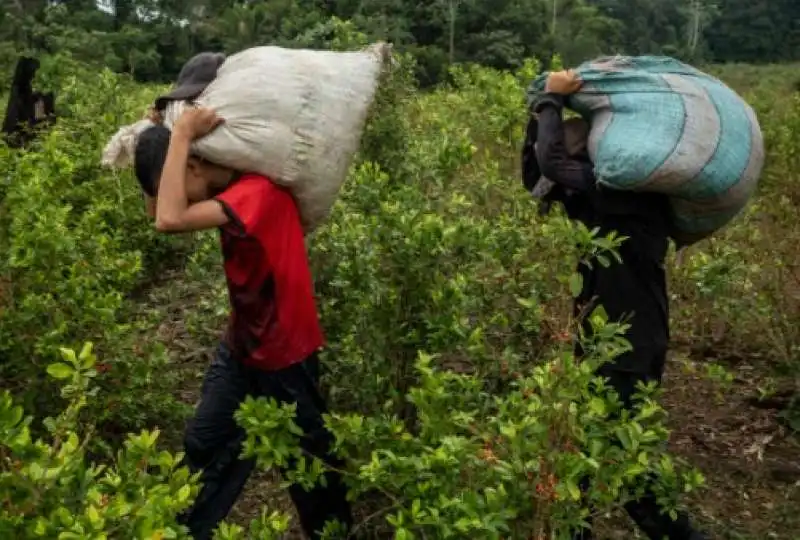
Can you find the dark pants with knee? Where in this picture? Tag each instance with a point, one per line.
(213, 442)
(635, 290)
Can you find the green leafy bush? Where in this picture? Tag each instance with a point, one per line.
(445, 297)
(75, 244)
(485, 465)
(50, 489)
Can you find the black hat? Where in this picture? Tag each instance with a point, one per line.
(195, 75)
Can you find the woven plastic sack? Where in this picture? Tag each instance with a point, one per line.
(660, 125)
(294, 115)
(120, 149)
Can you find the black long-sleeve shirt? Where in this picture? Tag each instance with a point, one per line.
(636, 287)
(643, 217)
(575, 173)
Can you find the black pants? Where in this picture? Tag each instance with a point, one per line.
(213, 442)
(645, 512)
(635, 290)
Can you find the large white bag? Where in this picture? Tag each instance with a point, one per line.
(294, 115)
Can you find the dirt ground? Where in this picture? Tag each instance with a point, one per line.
(751, 462)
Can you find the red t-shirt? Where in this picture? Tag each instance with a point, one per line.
(274, 321)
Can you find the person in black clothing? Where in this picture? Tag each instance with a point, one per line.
(634, 291)
(27, 110)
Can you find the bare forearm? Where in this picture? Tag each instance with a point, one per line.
(172, 201)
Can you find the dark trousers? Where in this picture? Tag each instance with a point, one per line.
(645, 512)
(213, 442)
(634, 289)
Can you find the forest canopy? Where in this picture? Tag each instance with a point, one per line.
(152, 38)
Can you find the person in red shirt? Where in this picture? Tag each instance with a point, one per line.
(271, 343)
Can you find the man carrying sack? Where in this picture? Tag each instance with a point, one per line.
(557, 168)
(271, 345)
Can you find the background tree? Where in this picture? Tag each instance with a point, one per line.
(151, 39)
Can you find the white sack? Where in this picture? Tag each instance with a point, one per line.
(294, 115)
(119, 151)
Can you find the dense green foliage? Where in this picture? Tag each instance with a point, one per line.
(459, 409)
(445, 298)
(152, 38)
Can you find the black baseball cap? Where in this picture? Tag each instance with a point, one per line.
(195, 75)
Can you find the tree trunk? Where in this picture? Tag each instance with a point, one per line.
(452, 5)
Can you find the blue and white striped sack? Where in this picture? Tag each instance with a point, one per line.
(660, 125)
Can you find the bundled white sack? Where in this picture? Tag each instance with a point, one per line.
(294, 115)
(120, 149)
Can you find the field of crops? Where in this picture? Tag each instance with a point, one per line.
(445, 299)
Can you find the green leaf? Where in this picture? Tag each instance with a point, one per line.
(575, 284)
(509, 431)
(35, 471)
(16, 416)
(416, 506)
(599, 317)
(574, 491)
(68, 355)
(595, 447)
(624, 435)
(183, 493)
(525, 302)
(635, 470)
(40, 529)
(60, 370)
(93, 515)
(597, 406)
(86, 357)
